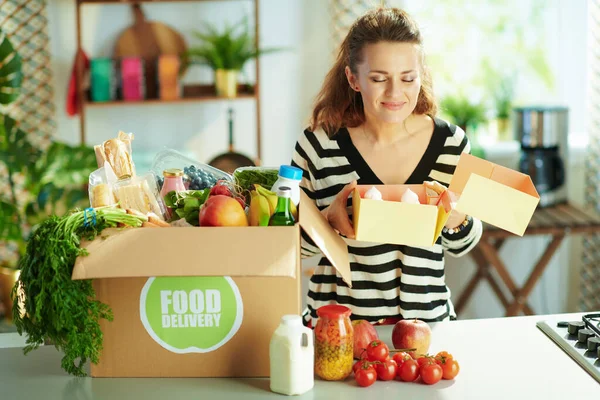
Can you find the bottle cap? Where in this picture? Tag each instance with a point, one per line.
(284, 191)
(289, 172)
(333, 311)
(173, 172)
(291, 320)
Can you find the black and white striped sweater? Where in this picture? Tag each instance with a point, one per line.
(389, 281)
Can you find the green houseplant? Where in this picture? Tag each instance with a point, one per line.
(503, 95)
(225, 52)
(40, 182)
(468, 116)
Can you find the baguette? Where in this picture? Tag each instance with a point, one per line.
(149, 225)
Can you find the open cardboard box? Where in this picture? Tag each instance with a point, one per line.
(199, 302)
(492, 193)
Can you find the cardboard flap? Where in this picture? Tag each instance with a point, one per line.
(146, 252)
(444, 210)
(469, 164)
(504, 207)
(514, 179)
(326, 239)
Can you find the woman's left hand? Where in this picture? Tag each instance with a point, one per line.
(456, 218)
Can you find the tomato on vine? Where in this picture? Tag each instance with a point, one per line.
(377, 351)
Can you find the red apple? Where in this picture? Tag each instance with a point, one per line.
(412, 334)
(220, 188)
(220, 210)
(364, 333)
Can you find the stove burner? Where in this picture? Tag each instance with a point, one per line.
(579, 339)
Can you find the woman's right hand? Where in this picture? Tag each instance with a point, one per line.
(336, 213)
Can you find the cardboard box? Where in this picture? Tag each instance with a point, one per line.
(390, 221)
(199, 302)
(495, 194)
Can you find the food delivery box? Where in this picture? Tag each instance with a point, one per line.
(199, 301)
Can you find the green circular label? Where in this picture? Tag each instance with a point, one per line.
(191, 314)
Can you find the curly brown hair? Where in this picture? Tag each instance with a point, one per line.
(337, 105)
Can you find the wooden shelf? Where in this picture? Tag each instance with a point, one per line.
(160, 101)
(195, 93)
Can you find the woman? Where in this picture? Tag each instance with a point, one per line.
(375, 122)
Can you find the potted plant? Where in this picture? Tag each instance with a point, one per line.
(468, 116)
(39, 182)
(503, 97)
(225, 53)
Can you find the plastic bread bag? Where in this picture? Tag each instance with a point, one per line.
(140, 194)
(196, 175)
(116, 154)
(100, 188)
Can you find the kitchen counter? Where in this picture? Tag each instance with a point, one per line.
(499, 358)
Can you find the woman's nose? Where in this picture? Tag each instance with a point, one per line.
(394, 88)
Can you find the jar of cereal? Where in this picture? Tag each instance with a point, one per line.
(334, 341)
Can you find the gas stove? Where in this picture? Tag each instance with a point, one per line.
(579, 339)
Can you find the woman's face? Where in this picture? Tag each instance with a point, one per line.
(389, 80)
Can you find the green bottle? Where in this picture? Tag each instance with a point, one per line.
(282, 215)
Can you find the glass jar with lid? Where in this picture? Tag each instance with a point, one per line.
(334, 341)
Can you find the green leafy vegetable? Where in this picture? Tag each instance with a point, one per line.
(186, 204)
(56, 307)
(245, 178)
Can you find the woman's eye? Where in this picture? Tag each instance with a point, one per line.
(378, 79)
(408, 80)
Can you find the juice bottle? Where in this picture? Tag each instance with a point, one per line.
(173, 182)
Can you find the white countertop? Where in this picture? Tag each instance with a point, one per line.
(502, 358)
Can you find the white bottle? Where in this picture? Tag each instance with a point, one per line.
(291, 177)
(291, 355)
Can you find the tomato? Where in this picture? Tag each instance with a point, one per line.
(377, 351)
(408, 371)
(400, 357)
(359, 364)
(365, 376)
(426, 359)
(450, 369)
(387, 370)
(431, 373)
(443, 356)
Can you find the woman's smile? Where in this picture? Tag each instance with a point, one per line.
(393, 105)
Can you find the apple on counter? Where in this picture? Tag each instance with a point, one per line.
(412, 334)
(364, 333)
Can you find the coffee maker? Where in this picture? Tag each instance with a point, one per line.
(543, 135)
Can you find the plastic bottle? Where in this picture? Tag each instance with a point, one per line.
(291, 354)
(282, 216)
(289, 176)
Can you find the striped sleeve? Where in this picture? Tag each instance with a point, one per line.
(301, 160)
(460, 243)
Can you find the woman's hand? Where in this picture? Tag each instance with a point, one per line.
(336, 213)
